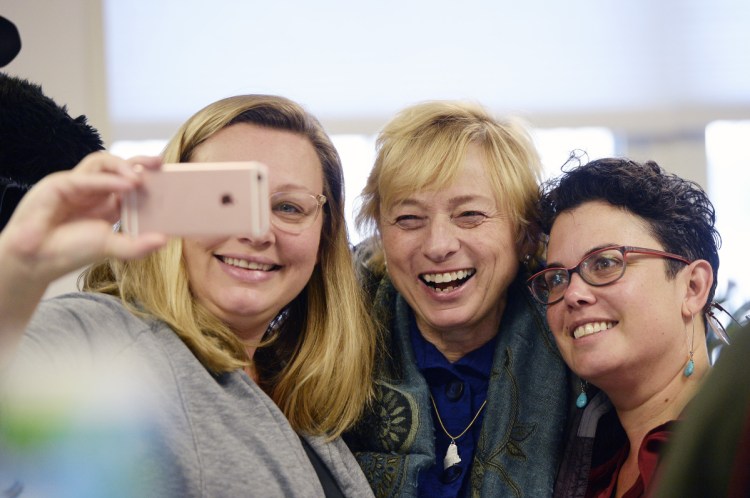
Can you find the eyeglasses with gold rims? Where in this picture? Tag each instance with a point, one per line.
(293, 212)
(598, 268)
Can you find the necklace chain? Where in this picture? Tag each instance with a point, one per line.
(467, 427)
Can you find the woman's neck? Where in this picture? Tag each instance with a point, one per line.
(457, 342)
(252, 372)
(651, 403)
(653, 410)
(251, 341)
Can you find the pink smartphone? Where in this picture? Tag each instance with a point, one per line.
(193, 199)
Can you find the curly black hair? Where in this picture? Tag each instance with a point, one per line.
(37, 137)
(678, 212)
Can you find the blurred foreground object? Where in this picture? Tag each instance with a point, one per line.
(710, 453)
(79, 433)
(10, 41)
(37, 137)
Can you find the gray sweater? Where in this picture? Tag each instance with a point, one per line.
(176, 429)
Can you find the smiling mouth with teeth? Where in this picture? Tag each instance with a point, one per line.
(246, 265)
(592, 328)
(448, 281)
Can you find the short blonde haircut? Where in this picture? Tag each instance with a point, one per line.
(318, 368)
(424, 146)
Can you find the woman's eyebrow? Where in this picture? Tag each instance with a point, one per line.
(556, 264)
(291, 187)
(453, 202)
(463, 199)
(407, 202)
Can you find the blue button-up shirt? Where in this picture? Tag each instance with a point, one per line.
(459, 389)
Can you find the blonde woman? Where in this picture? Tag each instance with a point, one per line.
(472, 394)
(249, 342)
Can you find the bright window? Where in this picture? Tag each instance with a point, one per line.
(358, 154)
(556, 144)
(728, 183)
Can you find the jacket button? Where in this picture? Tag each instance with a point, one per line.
(454, 390)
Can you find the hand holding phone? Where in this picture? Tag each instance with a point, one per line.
(195, 199)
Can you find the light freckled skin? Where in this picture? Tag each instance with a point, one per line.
(645, 304)
(249, 300)
(470, 315)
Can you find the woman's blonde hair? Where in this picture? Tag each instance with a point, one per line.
(318, 368)
(424, 147)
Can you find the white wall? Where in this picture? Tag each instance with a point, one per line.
(654, 73)
(63, 50)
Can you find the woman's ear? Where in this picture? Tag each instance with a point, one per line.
(700, 279)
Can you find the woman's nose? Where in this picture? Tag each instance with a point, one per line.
(578, 291)
(441, 239)
(261, 240)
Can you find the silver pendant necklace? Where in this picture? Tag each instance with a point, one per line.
(451, 455)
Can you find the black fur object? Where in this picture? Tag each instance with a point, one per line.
(37, 137)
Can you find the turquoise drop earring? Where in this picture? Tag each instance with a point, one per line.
(582, 399)
(689, 367)
(690, 364)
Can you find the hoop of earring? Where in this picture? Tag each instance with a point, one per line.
(690, 367)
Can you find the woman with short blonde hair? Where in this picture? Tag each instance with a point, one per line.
(471, 394)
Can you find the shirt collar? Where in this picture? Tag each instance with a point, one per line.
(477, 363)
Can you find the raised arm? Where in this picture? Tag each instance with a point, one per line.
(63, 223)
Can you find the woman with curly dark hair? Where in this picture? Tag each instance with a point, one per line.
(629, 283)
